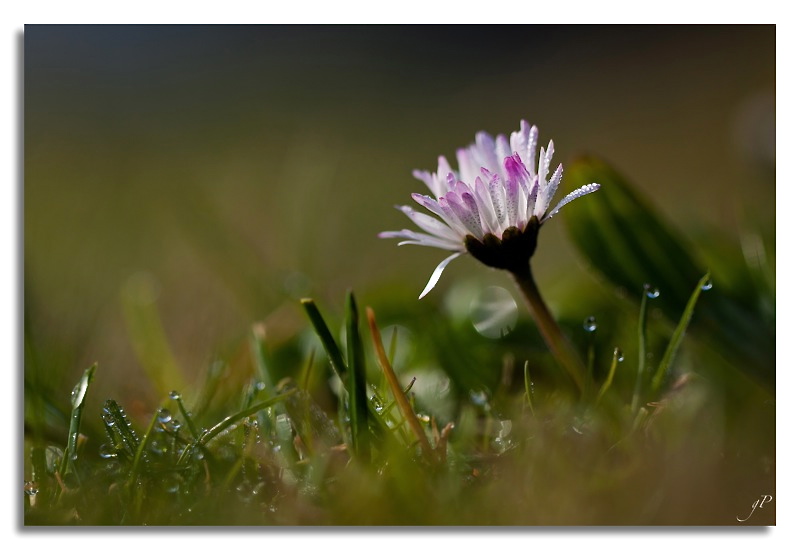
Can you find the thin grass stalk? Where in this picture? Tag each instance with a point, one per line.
(328, 342)
(397, 390)
(642, 337)
(357, 384)
(677, 336)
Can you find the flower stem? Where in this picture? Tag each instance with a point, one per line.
(561, 348)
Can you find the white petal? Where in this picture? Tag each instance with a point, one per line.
(581, 191)
(498, 195)
(438, 273)
(512, 200)
(488, 215)
(431, 225)
(502, 148)
(468, 169)
(429, 203)
(421, 239)
(469, 219)
(544, 162)
(485, 152)
(547, 192)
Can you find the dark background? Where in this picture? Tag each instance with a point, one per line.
(237, 168)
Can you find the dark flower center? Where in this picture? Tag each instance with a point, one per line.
(512, 252)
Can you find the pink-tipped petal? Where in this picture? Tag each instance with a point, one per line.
(431, 225)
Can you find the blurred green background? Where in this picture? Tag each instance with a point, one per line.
(222, 172)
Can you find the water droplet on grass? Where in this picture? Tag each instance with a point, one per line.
(619, 354)
(174, 395)
(709, 284)
(31, 488)
(590, 324)
(652, 291)
(478, 398)
(107, 451)
(164, 416)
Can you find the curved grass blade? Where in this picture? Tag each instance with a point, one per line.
(78, 402)
(357, 383)
(147, 336)
(208, 435)
(137, 458)
(397, 390)
(677, 336)
(629, 244)
(528, 388)
(328, 342)
(118, 428)
(610, 378)
(642, 335)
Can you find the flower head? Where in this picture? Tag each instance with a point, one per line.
(492, 206)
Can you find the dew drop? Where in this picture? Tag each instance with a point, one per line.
(709, 284)
(174, 395)
(174, 425)
(109, 420)
(260, 386)
(106, 451)
(652, 291)
(164, 416)
(31, 488)
(590, 324)
(494, 312)
(619, 354)
(172, 486)
(478, 398)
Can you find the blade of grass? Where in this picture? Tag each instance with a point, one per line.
(137, 458)
(677, 336)
(528, 387)
(118, 427)
(328, 342)
(147, 335)
(78, 402)
(228, 421)
(174, 395)
(610, 377)
(399, 395)
(642, 335)
(357, 383)
(270, 419)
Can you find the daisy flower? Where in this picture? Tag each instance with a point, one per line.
(491, 207)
